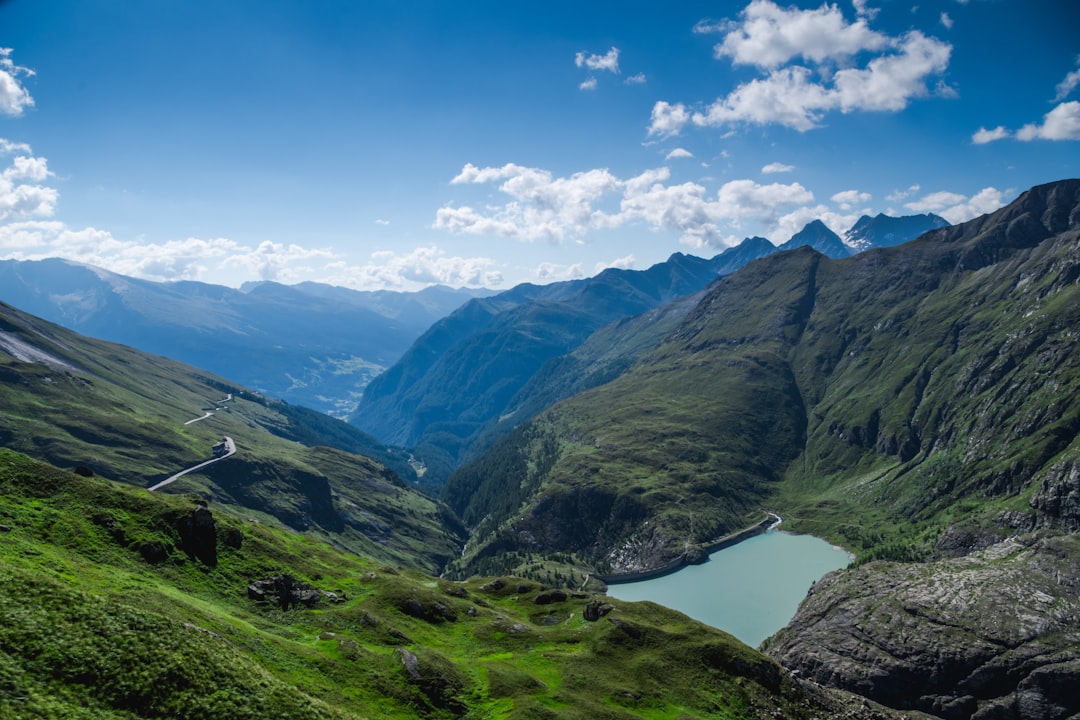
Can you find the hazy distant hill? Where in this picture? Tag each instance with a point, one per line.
(310, 344)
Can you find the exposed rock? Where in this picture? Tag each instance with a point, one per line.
(154, 553)
(435, 677)
(626, 628)
(995, 634)
(1058, 499)
(285, 591)
(427, 609)
(232, 537)
(552, 596)
(198, 538)
(594, 610)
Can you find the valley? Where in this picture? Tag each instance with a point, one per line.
(913, 403)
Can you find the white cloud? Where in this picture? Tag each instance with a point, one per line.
(898, 195)
(382, 221)
(552, 272)
(543, 207)
(609, 61)
(7, 147)
(957, 208)
(770, 36)
(848, 199)
(638, 79)
(1061, 123)
(589, 84)
(946, 20)
(422, 265)
(20, 196)
(798, 95)
(862, 11)
(1066, 86)
(668, 119)
(983, 136)
(775, 167)
(679, 153)
(624, 263)
(14, 97)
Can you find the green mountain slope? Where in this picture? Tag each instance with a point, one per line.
(875, 400)
(119, 413)
(116, 603)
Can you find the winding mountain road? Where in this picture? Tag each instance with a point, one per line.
(230, 449)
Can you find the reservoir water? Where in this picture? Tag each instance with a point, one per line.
(751, 589)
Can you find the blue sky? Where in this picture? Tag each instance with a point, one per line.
(379, 144)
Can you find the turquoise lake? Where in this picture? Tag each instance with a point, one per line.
(750, 590)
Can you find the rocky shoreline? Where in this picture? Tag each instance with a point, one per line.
(695, 555)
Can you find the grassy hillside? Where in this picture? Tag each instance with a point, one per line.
(136, 418)
(875, 400)
(120, 604)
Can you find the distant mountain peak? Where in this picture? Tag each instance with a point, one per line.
(886, 231)
(816, 234)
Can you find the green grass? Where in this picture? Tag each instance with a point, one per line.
(90, 629)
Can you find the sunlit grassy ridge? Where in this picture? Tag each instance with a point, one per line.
(90, 629)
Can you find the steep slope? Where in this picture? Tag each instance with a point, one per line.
(113, 411)
(993, 634)
(310, 344)
(120, 604)
(914, 387)
(465, 370)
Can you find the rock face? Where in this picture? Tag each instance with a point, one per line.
(992, 635)
(198, 535)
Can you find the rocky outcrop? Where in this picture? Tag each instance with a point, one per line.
(995, 634)
(286, 592)
(1057, 501)
(198, 536)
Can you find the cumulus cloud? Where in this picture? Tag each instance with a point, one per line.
(679, 153)
(848, 199)
(775, 167)
(770, 36)
(14, 97)
(983, 135)
(637, 79)
(553, 272)
(946, 21)
(540, 206)
(21, 195)
(956, 207)
(589, 84)
(422, 265)
(609, 61)
(798, 94)
(668, 119)
(1061, 123)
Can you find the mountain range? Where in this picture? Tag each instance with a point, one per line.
(310, 344)
(477, 373)
(914, 403)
